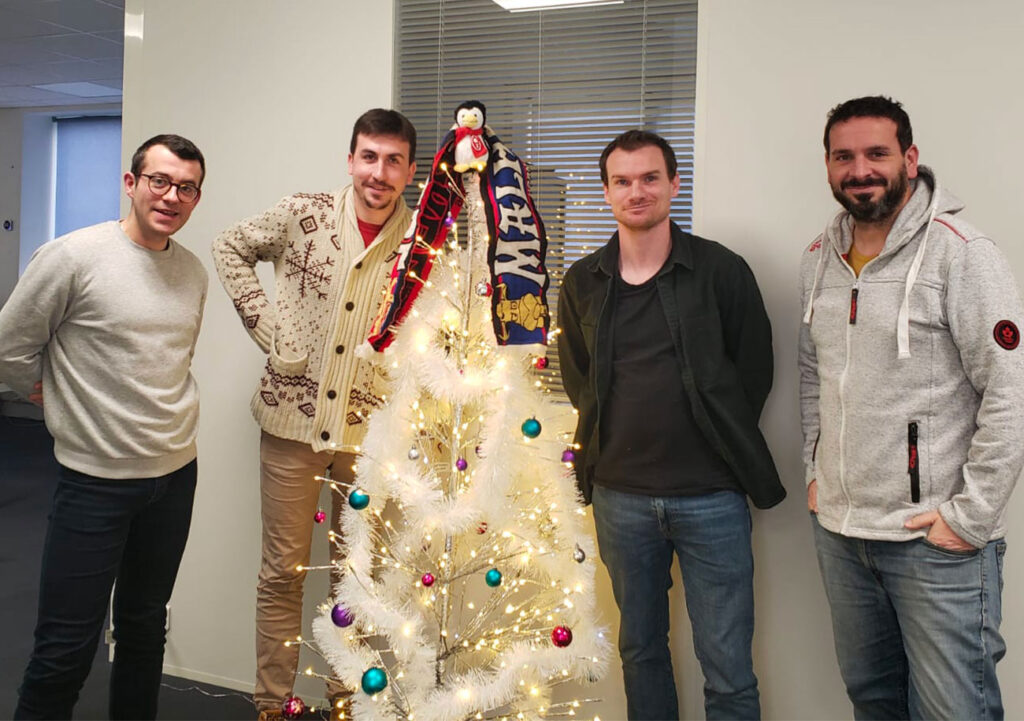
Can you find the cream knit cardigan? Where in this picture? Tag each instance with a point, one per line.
(328, 287)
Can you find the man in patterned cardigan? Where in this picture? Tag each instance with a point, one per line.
(332, 253)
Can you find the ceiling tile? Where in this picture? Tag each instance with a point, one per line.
(23, 52)
(110, 67)
(58, 41)
(83, 15)
(82, 90)
(16, 25)
(42, 73)
(111, 82)
(114, 36)
(22, 97)
(81, 46)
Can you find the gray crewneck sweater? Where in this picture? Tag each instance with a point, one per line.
(110, 327)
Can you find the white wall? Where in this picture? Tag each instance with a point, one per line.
(270, 94)
(769, 73)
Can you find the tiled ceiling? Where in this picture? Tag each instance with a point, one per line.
(65, 42)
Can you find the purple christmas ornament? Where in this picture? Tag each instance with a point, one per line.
(341, 616)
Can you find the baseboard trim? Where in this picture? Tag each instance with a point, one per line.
(223, 681)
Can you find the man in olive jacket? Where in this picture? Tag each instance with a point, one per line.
(666, 353)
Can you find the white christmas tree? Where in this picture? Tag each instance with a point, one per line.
(468, 585)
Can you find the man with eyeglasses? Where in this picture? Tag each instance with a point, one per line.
(103, 326)
(332, 254)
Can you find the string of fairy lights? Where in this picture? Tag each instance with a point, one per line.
(465, 589)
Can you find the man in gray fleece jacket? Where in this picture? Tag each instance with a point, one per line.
(102, 327)
(912, 399)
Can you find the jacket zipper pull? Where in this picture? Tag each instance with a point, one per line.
(913, 463)
(853, 306)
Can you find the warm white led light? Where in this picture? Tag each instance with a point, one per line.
(522, 6)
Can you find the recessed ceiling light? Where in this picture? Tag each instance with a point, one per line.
(522, 6)
(81, 90)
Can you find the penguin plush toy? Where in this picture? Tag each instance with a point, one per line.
(470, 146)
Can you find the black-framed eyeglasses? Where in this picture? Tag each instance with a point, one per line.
(159, 185)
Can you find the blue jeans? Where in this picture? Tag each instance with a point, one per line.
(100, 530)
(637, 536)
(916, 626)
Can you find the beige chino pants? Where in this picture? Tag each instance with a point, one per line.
(289, 494)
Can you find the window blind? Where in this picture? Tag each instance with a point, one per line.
(559, 85)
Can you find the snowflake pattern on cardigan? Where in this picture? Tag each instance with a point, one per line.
(328, 286)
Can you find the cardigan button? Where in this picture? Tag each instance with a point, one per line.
(332, 394)
(350, 305)
(359, 265)
(324, 436)
(339, 349)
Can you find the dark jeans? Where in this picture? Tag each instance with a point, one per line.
(131, 530)
(637, 536)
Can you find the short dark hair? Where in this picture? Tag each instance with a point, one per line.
(182, 147)
(379, 121)
(873, 106)
(634, 140)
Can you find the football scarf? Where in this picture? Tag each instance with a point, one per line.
(518, 277)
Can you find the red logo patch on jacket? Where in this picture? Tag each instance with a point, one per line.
(1006, 334)
(814, 246)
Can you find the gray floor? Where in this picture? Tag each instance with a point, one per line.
(27, 480)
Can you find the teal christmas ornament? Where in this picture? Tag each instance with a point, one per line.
(374, 680)
(531, 428)
(493, 578)
(358, 500)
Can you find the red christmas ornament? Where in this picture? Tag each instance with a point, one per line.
(427, 579)
(320, 516)
(561, 636)
(540, 362)
(293, 707)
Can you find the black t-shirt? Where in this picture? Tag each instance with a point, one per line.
(650, 442)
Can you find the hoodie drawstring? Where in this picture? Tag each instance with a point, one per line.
(903, 319)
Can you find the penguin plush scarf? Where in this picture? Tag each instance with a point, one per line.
(519, 279)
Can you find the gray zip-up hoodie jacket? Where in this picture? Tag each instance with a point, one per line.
(911, 377)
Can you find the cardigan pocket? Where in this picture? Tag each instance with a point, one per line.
(286, 366)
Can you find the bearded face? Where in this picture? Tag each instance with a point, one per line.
(867, 170)
(858, 196)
